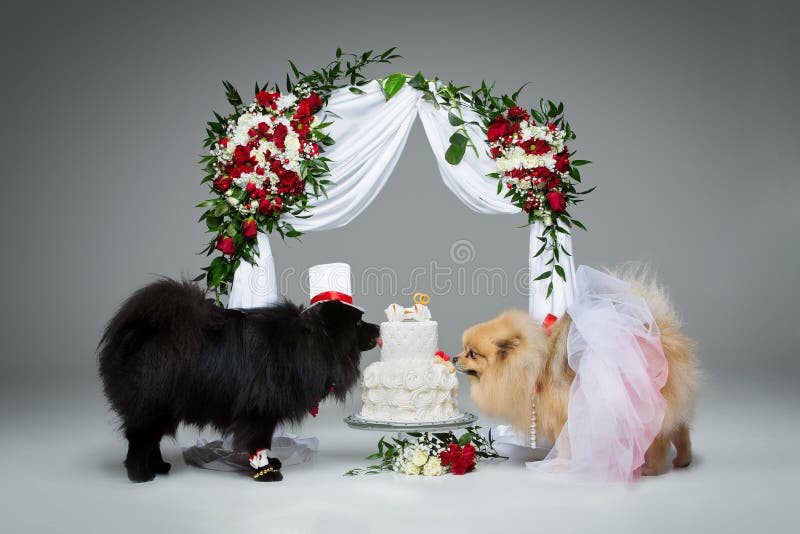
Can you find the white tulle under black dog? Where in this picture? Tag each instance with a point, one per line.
(171, 356)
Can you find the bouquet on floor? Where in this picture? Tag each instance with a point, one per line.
(431, 454)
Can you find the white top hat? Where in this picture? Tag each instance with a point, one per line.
(330, 281)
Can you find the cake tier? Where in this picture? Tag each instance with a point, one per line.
(409, 340)
(409, 391)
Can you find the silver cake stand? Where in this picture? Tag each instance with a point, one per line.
(361, 423)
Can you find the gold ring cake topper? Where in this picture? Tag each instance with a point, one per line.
(418, 312)
(422, 298)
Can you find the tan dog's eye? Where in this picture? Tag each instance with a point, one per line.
(471, 354)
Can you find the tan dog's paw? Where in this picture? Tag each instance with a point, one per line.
(650, 471)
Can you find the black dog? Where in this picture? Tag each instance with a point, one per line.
(169, 355)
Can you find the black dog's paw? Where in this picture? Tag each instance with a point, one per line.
(269, 473)
(272, 476)
(161, 468)
(138, 473)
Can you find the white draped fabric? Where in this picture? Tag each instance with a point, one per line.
(370, 134)
(615, 405)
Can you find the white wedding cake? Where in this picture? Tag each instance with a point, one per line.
(411, 382)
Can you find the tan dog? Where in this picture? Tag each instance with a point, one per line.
(508, 357)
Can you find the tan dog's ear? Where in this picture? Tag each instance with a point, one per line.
(504, 346)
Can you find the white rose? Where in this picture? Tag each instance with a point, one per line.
(292, 143)
(420, 457)
(433, 468)
(411, 469)
(233, 201)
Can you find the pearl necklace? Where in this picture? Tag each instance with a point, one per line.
(533, 423)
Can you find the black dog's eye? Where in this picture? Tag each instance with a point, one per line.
(471, 354)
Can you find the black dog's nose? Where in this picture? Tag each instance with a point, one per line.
(455, 360)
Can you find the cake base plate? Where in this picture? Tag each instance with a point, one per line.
(361, 423)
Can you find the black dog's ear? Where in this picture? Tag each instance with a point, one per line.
(504, 346)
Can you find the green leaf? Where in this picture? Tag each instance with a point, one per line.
(355, 90)
(418, 82)
(455, 153)
(560, 271)
(578, 224)
(464, 439)
(543, 276)
(580, 162)
(458, 139)
(454, 119)
(393, 84)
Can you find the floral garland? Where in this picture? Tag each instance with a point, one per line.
(266, 160)
(431, 454)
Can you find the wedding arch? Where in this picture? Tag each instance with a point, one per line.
(313, 156)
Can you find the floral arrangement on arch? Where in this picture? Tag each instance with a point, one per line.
(266, 159)
(431, 454)
(529, 146)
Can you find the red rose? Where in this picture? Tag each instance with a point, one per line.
(223, 142)
(314, 101)
(223, 183)
(498, 128)
(240, 155)
(517, 113)
(249, 228)
(289, 182)
(553, 181)
(303, 111)
(460, 466)
(562, 160)
(226, 246)
(452, 452)
(556, 201)
(279, 134)
(495, 152)
(468, 451)
(538, 147)
(266, 99)
(314, 410)
(265, 205)
(541, 172)
(277, 204)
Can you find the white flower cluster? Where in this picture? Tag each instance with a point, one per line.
(514, 156)
(419, 459)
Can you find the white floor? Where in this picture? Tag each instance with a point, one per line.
(61, 471)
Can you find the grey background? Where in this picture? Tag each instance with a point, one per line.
(687, 110)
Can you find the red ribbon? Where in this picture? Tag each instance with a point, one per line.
(332, 295)
(549, 320)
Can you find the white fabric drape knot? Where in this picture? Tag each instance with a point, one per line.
(370, 133)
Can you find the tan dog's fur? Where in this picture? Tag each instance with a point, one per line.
(508, 356)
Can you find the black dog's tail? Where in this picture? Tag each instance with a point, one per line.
(158, 327)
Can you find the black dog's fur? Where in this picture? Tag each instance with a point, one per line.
(169, 355)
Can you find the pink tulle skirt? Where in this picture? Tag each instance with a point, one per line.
(616, 408)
